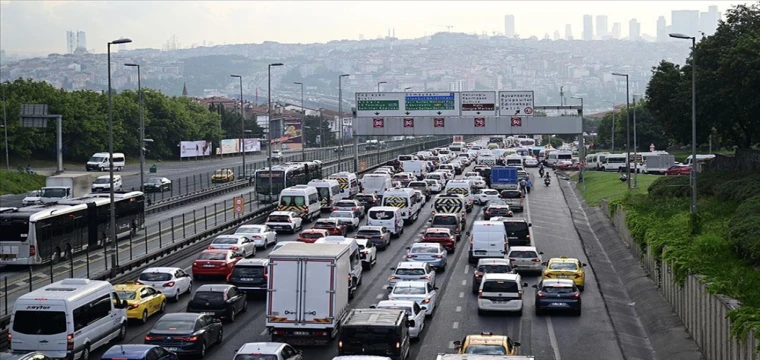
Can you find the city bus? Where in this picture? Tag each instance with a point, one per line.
(284, 176)
(43, 233)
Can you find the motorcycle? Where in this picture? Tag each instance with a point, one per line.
(541, 172)
(547, 182)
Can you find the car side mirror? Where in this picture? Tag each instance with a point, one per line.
(435, 288)
(543, 263)
(123, 304)
(373, 306)
(517, 343)
(458, 344)
(583, 264)
(505, 253)
(530, 224)
(393, 268)
(410, 323)
(408, 247)
(540, 253)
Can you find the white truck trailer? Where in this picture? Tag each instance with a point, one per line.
(482, 357)
(308, 292)
(65, 186)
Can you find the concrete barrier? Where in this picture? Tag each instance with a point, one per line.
(705, 315)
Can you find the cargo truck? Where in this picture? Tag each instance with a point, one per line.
(308, 292)
(65, 186)
(483, 357)
(657, 164)
(504, 178)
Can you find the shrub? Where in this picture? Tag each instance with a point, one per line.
(669, 187)
(745, 230)
(739, 189)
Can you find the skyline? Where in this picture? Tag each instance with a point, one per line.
(222, 20)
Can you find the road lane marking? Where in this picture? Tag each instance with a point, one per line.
(461, 294)
(264, 332)
(379, 296)
(451, 345)
(464, 282)
(466, 270)
(459, 309)
(552, 338)
(455, 325)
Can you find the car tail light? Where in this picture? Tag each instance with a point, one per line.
(480, 294)
(535, 260)
(478, 274)
(576, 295)
(335, 208)
(69, 342)
(426, 301)
(195, 264)
(438, 256)
(223, 265)
(577, 276)
(488, 212)
(411, 256)
(211, 247)
(394, 277)
(541, 294)
(519, 295)
(191, 338)
(288, 220)
(426, 277)
(138, 283)
(33, 252)
(354, 208)
(234, 248)
(132, 306)
(512, 259)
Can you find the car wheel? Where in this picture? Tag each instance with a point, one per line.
(122, 332)
(245, 306)
(196, 277)
(202, 351)
(86, 353)
(578, 312)
(581, 287)
(481, 312)
(144, 318)
(220, 338)
(176, 295)
(162, 309)
(232, 316)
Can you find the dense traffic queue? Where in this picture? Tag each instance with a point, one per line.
(309, 283)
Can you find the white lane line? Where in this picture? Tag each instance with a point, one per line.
(455, 325)
(451, 345)
(264, 332)
(466, 270)
(464, 282)
(552, 338)
(379, 296)
(461, 294)
(459, 309)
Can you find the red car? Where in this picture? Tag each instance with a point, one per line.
(333, 226)
(312, 235)
(215, 263)
(442, 236)
(676, 170)
(569, 166)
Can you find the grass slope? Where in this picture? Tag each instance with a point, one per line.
(12, 182)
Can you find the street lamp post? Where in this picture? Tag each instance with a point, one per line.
(340, 116)
(635, 147)
(612, 147)
(693, 119)
(142, 128)
(112, 224)
(303, 126)
(627, 129)
(380, 83)
(242, 122)
(5, 128)
(269, 132)
(582, 146)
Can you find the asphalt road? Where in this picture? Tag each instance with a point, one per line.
(546, 337)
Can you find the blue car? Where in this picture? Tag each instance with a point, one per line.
(138, 352)
(432, 253)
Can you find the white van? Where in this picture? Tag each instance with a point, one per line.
(102, 183)
(405, 199)
(488, 239)
(513, 160)
(329, 192)
(349, 183)
(595, 161)
(416, 167)
(301, 199)
(100, 162)
(68, 319)
(615, 162)
(376, 183)
(356, 258)
(464, 188)
(557, 156)
(388, 217)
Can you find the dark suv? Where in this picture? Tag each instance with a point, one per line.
(454, 222)
(250, 275)
(518, 232)
(368, 200)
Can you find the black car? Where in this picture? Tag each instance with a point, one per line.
(186, 333)
(220, 300)
(494, 210)
(157, 184)
(518, 232)
(557, 295)
(250, 275)
(368, 200)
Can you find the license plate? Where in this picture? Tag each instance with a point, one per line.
(208, 266)
(246, 279)
(301, 333)
(479, 252)
(565, 277)
(171, 349)
(559, 304)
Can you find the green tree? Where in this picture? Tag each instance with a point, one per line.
(317, 125)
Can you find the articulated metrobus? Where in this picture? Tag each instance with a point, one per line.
(284, 176)
(43, 233)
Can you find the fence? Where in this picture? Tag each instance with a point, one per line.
(703, 314)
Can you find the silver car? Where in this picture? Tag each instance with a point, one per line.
(350, 205)
(432, 253)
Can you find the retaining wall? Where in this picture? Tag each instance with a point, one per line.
(703, 314)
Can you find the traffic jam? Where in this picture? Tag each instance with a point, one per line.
(336, 229)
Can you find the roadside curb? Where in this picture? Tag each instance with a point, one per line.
(646, 325)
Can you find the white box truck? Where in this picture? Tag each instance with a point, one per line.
(483, 357)
(308, 292)
(65, 186)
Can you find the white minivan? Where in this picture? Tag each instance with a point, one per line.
(101, 162)
(68, 319)
(388, 217)
(488, 239)
(102, 183)
(376, 183)
(301, 199)
(329, 192)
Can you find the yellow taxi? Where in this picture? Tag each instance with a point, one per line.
(487, 344)
(564, 267)
(222, 176)
(143, 300)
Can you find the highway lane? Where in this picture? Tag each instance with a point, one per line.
(546, 337)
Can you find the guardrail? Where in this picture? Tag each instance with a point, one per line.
(197, 240)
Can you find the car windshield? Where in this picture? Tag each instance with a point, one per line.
(410, 272)
(345, 204)
(486, 350)
(174, 324)
(39, 322)
(381, 215)
(523, 254)
(278, 218)
(154, 180)
(558, 289)
(424, 250)
(490, 192)
(500, 286)
(496, 202)
(325, 223)
(155, 276)
(212, 256)
(97, 159)
(209, 295)
(248, 230)
(292, 201)
(495, 268)
(516, 227)
(311, 235)
(409, 290)
(431, 182)
(563, 266)
(369, 232)
(126, 295)
(220, 172)
(444, 220)
(225, 241)
(248, 271)
(341, 214)
(417, 184)
(408, 310)
(440, 235)
(364, 198)
(507, 194)
(102, 180)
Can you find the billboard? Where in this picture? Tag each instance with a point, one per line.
(194, 148)
(292, 135)
(230, 146)
(252, 145)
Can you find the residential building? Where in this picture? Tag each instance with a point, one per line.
(568, 32)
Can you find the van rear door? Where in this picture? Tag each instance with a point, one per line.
(488, 244)
(39, 326)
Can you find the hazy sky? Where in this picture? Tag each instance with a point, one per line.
(39, 27)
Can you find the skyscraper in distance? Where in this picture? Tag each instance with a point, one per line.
(556, 35)
(616, 29)
(71, 42)
(634, 30)
(601, 27)
(588, 28)
(509, 26)
(708, 21)
(662, 29)
(685, 22)
(81, 40)
(568, 32)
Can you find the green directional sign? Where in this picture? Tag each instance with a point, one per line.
(377, 105)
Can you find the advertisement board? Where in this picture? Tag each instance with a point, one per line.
(194, 148)
(230, 146)
(292, 135)
(252, 145)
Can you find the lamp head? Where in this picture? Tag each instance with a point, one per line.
(129, 64)
(121, 41)
(681, 36)
(236, 76)
(276, 64)
(619, 74)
